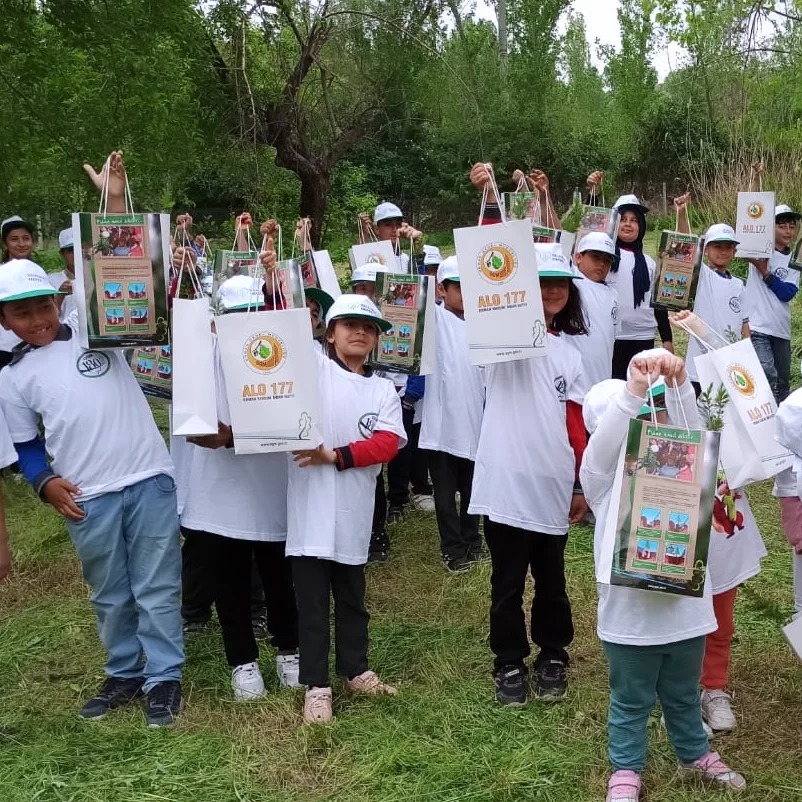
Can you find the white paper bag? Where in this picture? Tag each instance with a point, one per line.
(271, 380)
(194, 393)
(380, 254)
(793, 634)
(754, 226)
(749, 451)
(501, 292)
(326, 274)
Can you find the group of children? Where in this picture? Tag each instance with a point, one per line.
(517, 451)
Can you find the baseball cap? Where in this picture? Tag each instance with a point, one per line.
(65, 238)
(22, 278)
(241, 292)
(598, 399)
(431, 255)
(551, 262)
(357, 306)
(720, 232)
(448, 270)
(387, 211)
(323, 299)
(15, 221)
(783, 210)
(364, 273)
(630, 200)
(596, 241)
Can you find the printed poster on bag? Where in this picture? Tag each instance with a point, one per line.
(153, 370)
(270, 373)
(754, 226)
(679, 260)
(122, 266)
(521, 206)
(501, 292)
(598, 218)
(665, 509)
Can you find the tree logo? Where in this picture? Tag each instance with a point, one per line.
(497, 263)
(755, 210)
(367, 423)
(741, 379)
(264, 353)
(93, 364)
(376, 259)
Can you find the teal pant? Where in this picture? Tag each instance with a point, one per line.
(639, 675)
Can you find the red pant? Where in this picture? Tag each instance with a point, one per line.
(715, 669)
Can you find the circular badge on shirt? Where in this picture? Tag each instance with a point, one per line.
(735, 304)
(560, 386)
(614, 313)
(781, 273)
(93, 364)
(367, 423)
(264, 352)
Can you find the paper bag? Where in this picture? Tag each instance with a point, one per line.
(194, 393)
(598, 218)
(271, 380)
(793, 634)
(380, 254)
(754, 226)
(501, 292)
(152, 366)
(567, 240)
(679, 260)
(326, 274)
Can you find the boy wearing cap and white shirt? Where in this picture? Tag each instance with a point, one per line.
(63, 280)
(452, 420)
(390, 226)
(111, 478)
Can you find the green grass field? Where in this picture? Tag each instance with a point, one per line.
(443, 739)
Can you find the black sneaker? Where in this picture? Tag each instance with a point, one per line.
(260, 628)
(456, 565)
(195, 627)
(113, 693)
(478, 554)
(164, 703)
(511, 686)
(394, 514)
(379, 548)
(551, 681)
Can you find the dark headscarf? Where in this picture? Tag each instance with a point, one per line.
(641, 283)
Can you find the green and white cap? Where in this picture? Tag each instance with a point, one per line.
(241, 292)
(357, 306)
(551, 262)
(448, 270)
(22, 278)
(720, 232)
(364, 273)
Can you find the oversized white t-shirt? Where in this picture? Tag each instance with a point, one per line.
(600, 303)
(640, 323)
(68, 305)
(8, 455)
(767, 313)
(721, 303)
(330, 512)
(242, 497)
(525, 465)
(632, 616)
(98, 426)
(455, 392)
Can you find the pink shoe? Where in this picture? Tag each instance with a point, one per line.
(712, 767)
(317, 706)
(624, 786)
(370, 684)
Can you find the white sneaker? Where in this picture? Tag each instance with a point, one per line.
(717, 711)
(247, 682)
(423, 503)
(287, 666)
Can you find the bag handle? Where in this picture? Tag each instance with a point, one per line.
(706, 345)
(491, 186)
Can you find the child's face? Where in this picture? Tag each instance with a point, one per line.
(33, 320)
(19, 243)
(353, 337)
(720, 255)
(387, 230)
(366, 288)
(554, 292)
(68, 255)
(784, 233)
(451, 293)
(629, 229)
(594, 265)
(314, 312)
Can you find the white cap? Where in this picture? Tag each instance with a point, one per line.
(15, 221)
(448, 270)
(596, 241)
(630, 200)
(720, 232)
(598, 399)
(431, 255)
(387, 211)
(65, 238)
(22, 278)
(785, 210)
(241, 292)
(364, 273)
(357, 306)
(551, 261)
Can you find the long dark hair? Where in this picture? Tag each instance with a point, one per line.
(571, 318)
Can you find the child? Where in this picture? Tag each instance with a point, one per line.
(389, 226)
(654, 642)
(111, 478)
(63, 280)
(234, 508)
(530, 447)
(452, 418)
(16, 235)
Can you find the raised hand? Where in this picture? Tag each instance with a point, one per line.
(481, 175)
(117, 180)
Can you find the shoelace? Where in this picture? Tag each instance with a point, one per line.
(713, 766)
(164, 695)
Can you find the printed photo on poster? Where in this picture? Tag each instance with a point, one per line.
(153, 370)
(598, 218)
(679, 260)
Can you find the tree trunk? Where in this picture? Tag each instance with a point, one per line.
(315, 200)
(501, 16)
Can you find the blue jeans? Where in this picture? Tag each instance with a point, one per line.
(638, 676)
(774, 354)
(130, 554)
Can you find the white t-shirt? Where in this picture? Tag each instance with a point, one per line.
(98, 426)
(640, 323)
(632, 616)
(767, 313)
(600, 302)
(330, 512)
(455, 392)
(8, 454)
(68, 305)
(242, 497)
(525, 465)
(721, 303)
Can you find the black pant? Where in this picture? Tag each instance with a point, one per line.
(379, 505)
(316, 581)
(419, 470)
(398, 469)
(623, 351)
(514, 553)
(198, 571)
(233, 560)
(459, 531)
